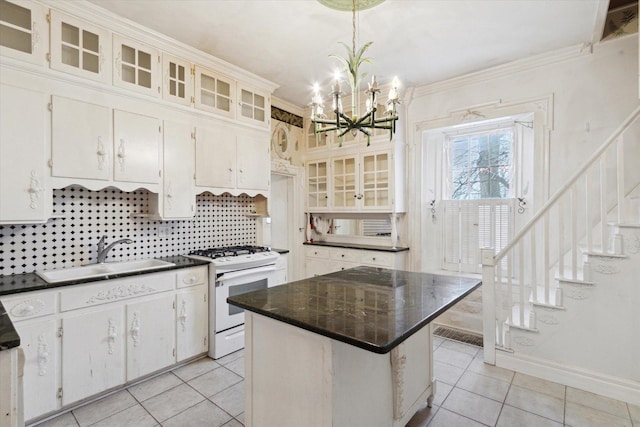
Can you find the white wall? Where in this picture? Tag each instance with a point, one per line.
(589, 93)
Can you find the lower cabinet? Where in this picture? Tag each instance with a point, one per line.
(93, 351)
(39, 341)
(150, 335)
(281, 276)
(321, 260)
(192, 322)
(84, 339)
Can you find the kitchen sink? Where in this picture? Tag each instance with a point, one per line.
(101, 270)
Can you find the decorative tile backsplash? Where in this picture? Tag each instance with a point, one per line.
(84, 216)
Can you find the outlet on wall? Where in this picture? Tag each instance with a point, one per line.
(164, 231)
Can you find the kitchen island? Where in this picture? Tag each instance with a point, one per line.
(351, 348)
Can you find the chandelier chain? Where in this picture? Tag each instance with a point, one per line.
(353, 28)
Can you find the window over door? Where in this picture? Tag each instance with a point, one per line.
(479, 164)
(478, 192)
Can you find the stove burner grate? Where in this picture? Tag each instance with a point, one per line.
(228, 251)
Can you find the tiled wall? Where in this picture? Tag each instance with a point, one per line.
(85, 216)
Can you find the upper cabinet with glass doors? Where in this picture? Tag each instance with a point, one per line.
(23, 31)
(136, 66)
(365, 182)
(214, 92)
(79, 48)
(177, 80)
(254, 106)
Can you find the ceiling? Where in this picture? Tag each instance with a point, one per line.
(421, 41)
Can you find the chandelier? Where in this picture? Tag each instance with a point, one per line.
(342, 123)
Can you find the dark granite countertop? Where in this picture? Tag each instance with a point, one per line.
(357, 246)
(280, 251)
(372, 308)
(27, 282)
(9, 338)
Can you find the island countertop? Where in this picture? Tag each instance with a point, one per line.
(372, 308)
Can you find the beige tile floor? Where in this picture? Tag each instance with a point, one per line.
(469, 393)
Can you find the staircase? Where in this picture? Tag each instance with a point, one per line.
(562, 300)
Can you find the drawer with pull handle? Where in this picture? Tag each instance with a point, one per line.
(380, 259)
(316, 252)
(192, 276)
(345, 255)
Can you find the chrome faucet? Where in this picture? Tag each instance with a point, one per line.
(102, 251)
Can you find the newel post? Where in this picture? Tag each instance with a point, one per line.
(488, 305)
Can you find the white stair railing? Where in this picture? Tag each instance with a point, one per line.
(523, 275)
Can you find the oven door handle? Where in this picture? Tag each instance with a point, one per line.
(248, 272)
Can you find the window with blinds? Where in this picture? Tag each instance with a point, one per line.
(470, 225)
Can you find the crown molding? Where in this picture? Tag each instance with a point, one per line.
(537, 61)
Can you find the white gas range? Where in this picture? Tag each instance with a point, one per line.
(235, 270)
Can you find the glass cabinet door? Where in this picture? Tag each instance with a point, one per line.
(23, 33)
(345, 176)
(254, 106)
(214, 92)
(79, 48)
(317, 195)
(136, 66)
(375, 180)
(315, 140)
(177, 81)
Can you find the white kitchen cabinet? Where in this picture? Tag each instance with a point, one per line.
(81, 140)
(32, 314)
(254, 106)
(39, 341)
(317, 185)
(177, 199)
(83, 145)
(315, 140)
(93, 352)
(253, 160)
(362, 182)
(137, 147)
(80, 48)
(23, 196)
(191, 322)
(216, 157)
(136, 66)
(150, 335)
(23, 31)
(281, 275)
(344, 184)
(323, 259)
(214, 92)
(357, 182)
(177, 80)
(232, 159)
(81, 340)
(316, 262)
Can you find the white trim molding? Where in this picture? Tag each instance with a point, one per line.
(571, 376)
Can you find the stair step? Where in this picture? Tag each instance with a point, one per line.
(552, 303)
(627, 225)
(604, 255)
(575, 281)
(515, 315)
